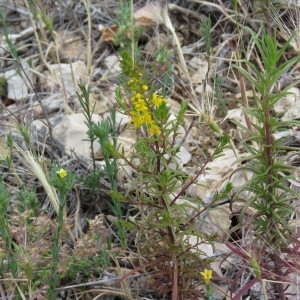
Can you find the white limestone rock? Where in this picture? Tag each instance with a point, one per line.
(237, 116)
(215, 177)
(67, 77)
(121, 120)
(38, 128)
(182, 158)
(206, 249)
(289, 106)
(51, 104)
(72, 134)
(217, 221)
(112, 62)
(18, 84)
(206, 186)
(125, 144)
(201, 68)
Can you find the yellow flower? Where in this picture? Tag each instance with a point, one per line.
(153, 129)
(141, 109)
(140, 105)
(207, 275)
(137, 121)
(157, 100)
(138, 96)
(62, 173)
(147, 118)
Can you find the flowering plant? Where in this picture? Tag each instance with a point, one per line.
(164, 223)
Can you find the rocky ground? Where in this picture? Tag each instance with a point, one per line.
(38, 89)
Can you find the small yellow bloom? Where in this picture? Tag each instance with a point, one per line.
(62, 173)
(153, 129)
(138, 96)
(207, 275)
(140, 106)
(145, 87)
(137, 119)
(147, 118)
(157, 100)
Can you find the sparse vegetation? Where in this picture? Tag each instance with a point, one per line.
(136, 211)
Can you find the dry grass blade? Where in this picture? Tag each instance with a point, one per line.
(169, 26)
(290, 29)
(34, 166)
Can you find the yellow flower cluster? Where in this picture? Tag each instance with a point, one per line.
(157, 100)
(142, 106)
